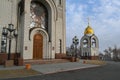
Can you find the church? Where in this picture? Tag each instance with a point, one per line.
(33, 29)
(89, 44)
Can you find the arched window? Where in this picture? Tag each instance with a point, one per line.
(85, 43)
(39, 15)
(93, 42)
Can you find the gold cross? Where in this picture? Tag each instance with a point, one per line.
(88, 21)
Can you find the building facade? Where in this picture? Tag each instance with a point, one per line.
(89, 44)
(40, 25)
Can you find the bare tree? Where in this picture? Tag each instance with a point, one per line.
(108, 52)
(115, 53)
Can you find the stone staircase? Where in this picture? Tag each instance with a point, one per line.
(50, 61)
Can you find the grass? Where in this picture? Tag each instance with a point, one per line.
(96, 62)
(17, 73)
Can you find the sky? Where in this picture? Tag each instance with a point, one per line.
(104, 18)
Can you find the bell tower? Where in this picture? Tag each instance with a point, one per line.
(89, 44)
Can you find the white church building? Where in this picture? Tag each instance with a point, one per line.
(40, 25)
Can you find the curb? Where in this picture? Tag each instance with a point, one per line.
(63, 70)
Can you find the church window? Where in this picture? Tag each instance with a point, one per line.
(38, 15)
(93, 42)
(85, 43)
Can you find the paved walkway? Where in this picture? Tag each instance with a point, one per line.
(53, 68)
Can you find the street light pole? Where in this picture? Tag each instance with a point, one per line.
(72, 50)
(75, 42)
(10, 29)
(16, 36)
(5, 32)
(9, 47)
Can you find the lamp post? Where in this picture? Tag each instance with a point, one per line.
(10, 36)
(16, 36)
(72, 50)
(75, 42)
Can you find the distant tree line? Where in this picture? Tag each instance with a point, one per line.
(111, 54)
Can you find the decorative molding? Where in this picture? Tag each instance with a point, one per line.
(54, 7)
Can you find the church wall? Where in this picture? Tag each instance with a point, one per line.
(52, 14)
(5, 13)
(94, 52)
(0, 36)
(60, 27)
(7, 9)
(20, 34)
(64, 27)
(25, 46)
(86, 50)
(58, 35)
(27, 43)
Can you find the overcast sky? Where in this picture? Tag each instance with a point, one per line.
(104, 19)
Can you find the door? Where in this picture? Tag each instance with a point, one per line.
(38, 47)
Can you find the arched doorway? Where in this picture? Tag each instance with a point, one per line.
(38, 46)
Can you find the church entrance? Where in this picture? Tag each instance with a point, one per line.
(38, 46)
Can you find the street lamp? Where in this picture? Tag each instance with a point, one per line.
(16, 36)
(10, 36)
(75, 42)
(72, 50)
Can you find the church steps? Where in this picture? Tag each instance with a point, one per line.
(49, 61)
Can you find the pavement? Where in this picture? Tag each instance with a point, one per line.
(110, 71)
(54, 68)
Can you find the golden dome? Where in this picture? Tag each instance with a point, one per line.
(89, 30)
